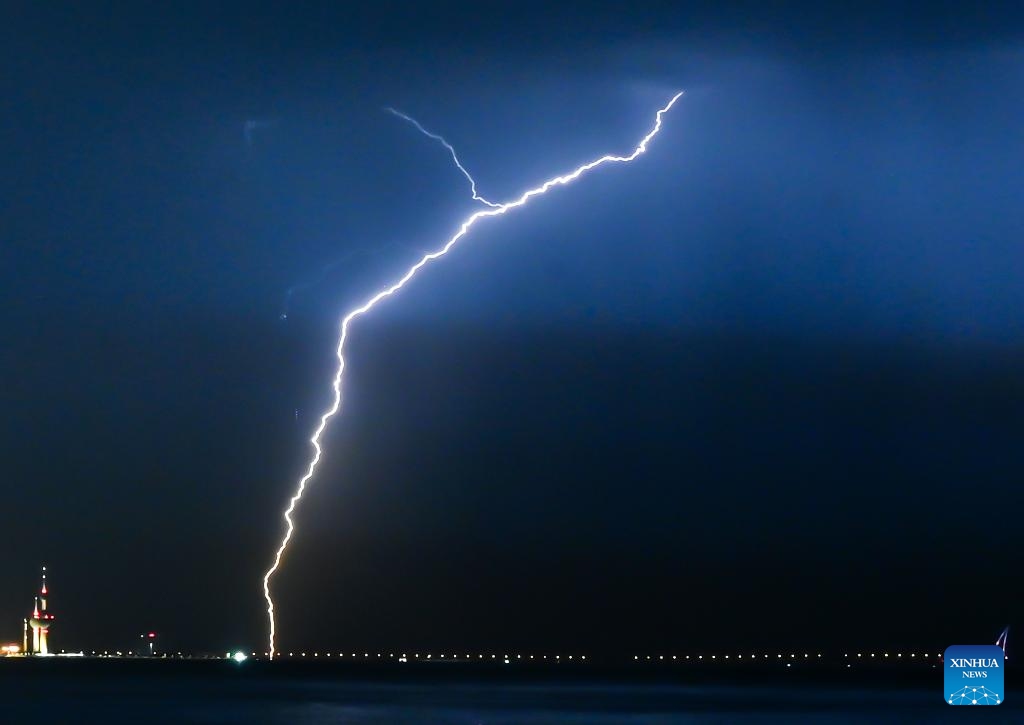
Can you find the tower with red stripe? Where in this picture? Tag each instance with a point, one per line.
(41, 620)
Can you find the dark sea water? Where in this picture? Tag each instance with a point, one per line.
(221, 692)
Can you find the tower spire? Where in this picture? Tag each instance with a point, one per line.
(41, 621)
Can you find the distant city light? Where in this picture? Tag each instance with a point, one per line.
(239, 656)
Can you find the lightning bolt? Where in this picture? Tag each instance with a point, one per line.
(451, 150)
(346, 322)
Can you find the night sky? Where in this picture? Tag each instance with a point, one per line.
(763, 387)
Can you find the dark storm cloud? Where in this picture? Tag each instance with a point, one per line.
(252, 125)
(783, 343)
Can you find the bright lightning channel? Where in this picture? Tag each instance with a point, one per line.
(493, 210)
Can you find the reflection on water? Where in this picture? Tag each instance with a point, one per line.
(214, 697)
